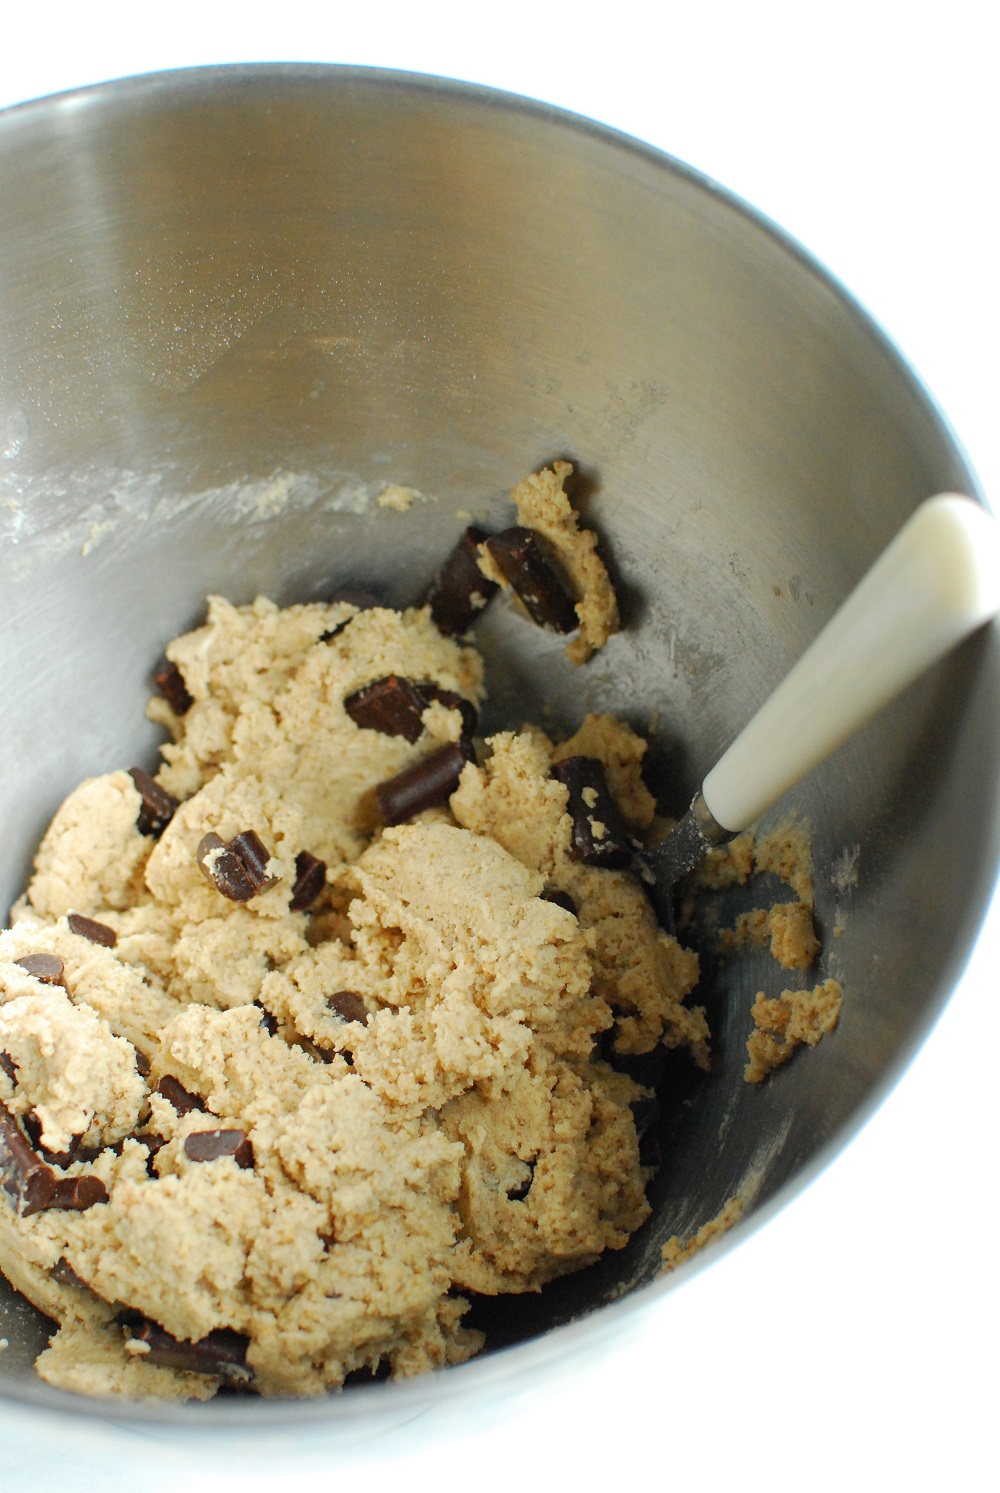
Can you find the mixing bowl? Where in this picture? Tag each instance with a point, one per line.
(236, 303)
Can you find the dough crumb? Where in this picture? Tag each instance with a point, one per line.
(542, 505)
(794, 1018)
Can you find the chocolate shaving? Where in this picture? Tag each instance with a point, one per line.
(158, 806)
(392, 706)
(238, 870)
(430, 782)
(460, 591)
(534, 576)
(48, 968)
(92, 930)
(24, 1176)
(363, 600)
(310, 879)
(452, 701)
(222, 1352)
(348, 1005)
(78, 1193)
(212, 1145)
(170, 683)
(178, 1096)
(559, 898)
(599, 834)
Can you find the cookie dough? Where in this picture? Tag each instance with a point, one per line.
(270, 1140)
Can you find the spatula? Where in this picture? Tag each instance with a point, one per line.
(937, 581)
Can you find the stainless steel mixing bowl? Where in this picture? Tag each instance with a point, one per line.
(235, 303)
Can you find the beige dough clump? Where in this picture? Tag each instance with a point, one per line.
(407, 1078)
(542, 505)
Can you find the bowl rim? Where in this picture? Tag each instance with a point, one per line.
(408, 1398)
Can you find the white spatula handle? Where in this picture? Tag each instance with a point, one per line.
(938, 580)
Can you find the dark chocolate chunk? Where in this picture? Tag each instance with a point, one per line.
(78, 1193)
(310, 879)
(24, 1176)
(430, 782)
(158, 806)
(142, 1064)
(153, 1143)
(238, 870)
(33, 1130)
(179, 1097)
(222, 1352)
(591, 805)
(452, 701)
(9, 1066)
(48, 968)
(255, 856)
(170, 683)
(211, 1145)
(520, 1190)
(460, 591)
(348, 1005)
(392, 706)
(561, 899)
(90, 929)
(534, 575)
(63, 1272)
(363, 600)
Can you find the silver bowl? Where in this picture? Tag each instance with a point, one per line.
(235, 303)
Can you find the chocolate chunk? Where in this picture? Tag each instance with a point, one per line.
(520, 1190)
(48, 968)
(430, 782)
(90, 929)
(170, 683)
(63, 1272)
(24, 1176)
(158, 806)
(179, 1097)
(153, 1144)
(33, 1130)
(238, 870)
(310, 879)
(211, 1145)
(392, 706)
(599, 834)
(9, 1066)
(348, 1005)
(561, 899)
(363, 600)
(142, 1064)
(78, 1193)
(534, 575)
(452, 701)
(222, 1352)
(460, 591)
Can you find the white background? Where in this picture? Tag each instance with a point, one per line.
(851, 1340)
